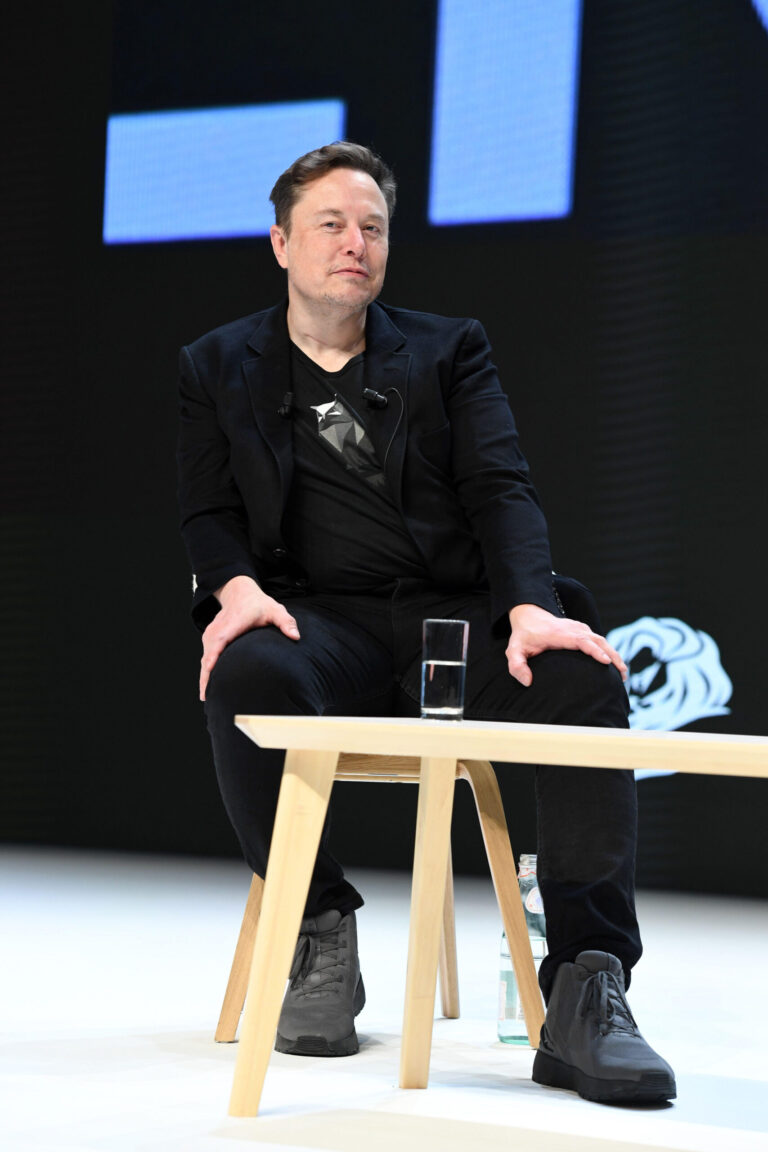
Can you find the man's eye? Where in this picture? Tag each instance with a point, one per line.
(330, 224)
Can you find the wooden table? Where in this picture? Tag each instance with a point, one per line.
(313, 744)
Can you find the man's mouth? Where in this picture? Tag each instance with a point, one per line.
(351, 272)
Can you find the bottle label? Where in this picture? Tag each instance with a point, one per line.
(533, 901)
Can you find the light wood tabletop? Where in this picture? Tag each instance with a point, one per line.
(718, 754)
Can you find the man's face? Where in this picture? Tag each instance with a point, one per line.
(336, 252)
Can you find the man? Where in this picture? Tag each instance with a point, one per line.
(346, 470)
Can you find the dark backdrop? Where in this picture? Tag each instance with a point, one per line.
(630, 337)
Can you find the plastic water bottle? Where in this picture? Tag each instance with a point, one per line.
(511, 1021)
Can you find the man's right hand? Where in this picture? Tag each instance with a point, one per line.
(243, 606)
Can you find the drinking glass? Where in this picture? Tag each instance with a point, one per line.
(443, 669)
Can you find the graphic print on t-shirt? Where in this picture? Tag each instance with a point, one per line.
(338, 428)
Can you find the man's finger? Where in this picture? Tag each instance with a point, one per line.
(600, 649)
(590, 646)
(206, 666)
(205, 674)
(518, 668)
(213, 646)
(615, 658)
(287, 625)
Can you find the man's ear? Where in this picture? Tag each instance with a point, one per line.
(279, 245)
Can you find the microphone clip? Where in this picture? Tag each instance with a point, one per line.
(374, 399)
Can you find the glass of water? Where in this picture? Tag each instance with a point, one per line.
(443, 669)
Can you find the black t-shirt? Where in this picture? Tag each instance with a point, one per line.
(340, 523)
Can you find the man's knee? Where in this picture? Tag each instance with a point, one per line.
(258, 673)
(581, 690)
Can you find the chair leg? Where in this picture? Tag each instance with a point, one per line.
(234, 997)
(449, 970)
(430, 865)
(485, 788)
(301, 808)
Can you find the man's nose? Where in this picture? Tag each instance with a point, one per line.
(355, 241)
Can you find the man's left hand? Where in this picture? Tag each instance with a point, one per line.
(535, 630)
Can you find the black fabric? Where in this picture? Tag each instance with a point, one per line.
(456, 475)
(361, 655)
(452, 459)
(341, 525)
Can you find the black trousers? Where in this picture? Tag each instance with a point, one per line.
(361, 655)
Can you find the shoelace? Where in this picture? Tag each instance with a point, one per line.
(318, 955)
(603, 994)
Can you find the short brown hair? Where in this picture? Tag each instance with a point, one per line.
(313, 165)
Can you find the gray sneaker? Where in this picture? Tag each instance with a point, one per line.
(326, 990)
(590, 1042)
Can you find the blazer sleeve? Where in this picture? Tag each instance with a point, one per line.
(493, 483)
(213, 518)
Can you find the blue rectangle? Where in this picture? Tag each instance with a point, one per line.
(206, 173)
(504, 116)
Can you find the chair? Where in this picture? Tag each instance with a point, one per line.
(403, 770)
(575, 601)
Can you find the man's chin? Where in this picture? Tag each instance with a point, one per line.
(353, 296)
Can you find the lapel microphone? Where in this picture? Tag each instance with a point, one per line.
(374, 399)
(285, 408)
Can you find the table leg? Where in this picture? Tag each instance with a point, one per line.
(430, 863)
(490, 810)
(301, 808)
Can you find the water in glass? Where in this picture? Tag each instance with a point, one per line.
(442, 689)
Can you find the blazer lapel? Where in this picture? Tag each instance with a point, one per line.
(268, 378)
(387, 369)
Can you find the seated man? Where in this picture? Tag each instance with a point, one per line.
(346, 470)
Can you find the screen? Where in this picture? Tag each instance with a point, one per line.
(502, 147)
(587, 179)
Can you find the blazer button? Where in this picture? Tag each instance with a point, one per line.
(279, 553)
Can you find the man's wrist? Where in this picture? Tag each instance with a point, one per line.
(518, 608)
(235, 587)
(522, 609)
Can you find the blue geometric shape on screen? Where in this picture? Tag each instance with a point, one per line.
(761, 7)
(504, 118)
(206, 173)
(684, 680)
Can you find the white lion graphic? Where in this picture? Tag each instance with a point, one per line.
(684, 680)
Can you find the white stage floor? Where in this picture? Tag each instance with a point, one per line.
(113, 968)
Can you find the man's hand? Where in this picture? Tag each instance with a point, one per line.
(534, 630)
(243, 606)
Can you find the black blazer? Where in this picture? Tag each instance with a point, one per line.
(452, 458)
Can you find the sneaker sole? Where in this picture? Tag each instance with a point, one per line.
(316, 1045)
(653, 1087)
